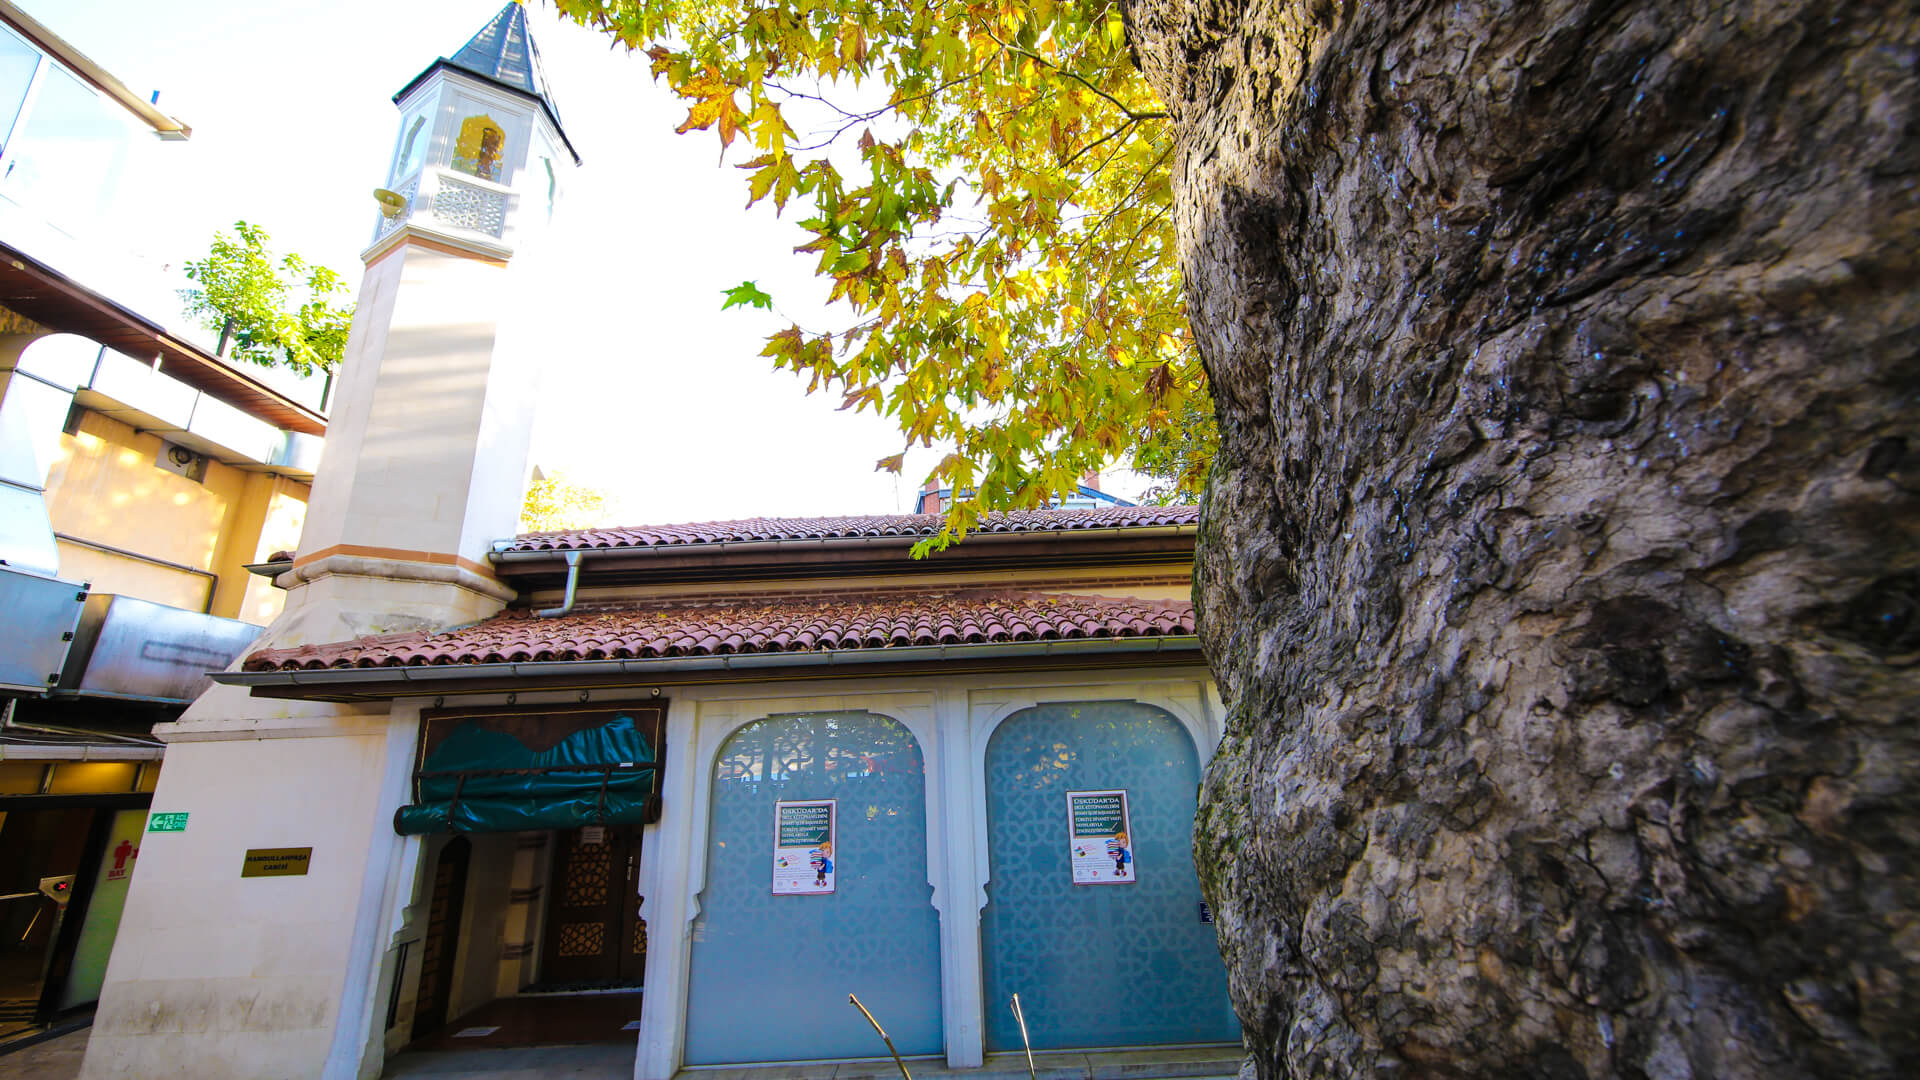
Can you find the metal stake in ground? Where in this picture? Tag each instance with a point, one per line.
(1024, 1041)
(883, 1036)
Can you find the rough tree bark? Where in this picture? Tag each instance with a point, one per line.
(1560, 568)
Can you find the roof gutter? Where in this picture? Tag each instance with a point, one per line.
(820, 543)
(573, 582)
(431, 676)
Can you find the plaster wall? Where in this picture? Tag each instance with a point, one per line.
(429, 427)
(349, 597)
(221, 976)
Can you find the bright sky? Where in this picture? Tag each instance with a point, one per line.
(651, 391)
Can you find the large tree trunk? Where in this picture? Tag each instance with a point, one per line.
(1560, 567)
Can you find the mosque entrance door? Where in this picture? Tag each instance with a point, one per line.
(594, 933)
(1125, 955)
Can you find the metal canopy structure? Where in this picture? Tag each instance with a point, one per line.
(58, 302)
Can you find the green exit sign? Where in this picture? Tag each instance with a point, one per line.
(174, 822)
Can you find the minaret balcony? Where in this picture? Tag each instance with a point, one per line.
(454, 203)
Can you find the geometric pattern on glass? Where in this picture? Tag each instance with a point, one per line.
(1107, 965)
(796, 958)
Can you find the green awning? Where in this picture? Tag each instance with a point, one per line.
(480, 781)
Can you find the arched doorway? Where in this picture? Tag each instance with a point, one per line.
(444, 909)
(771, 973)
(1127, 962)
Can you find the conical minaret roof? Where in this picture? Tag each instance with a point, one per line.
(503, 53)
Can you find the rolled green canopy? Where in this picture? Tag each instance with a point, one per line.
(480, 781)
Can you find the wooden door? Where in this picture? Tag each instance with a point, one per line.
(442, 938)
(593, 933)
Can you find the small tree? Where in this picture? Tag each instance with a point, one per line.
(246, 295)
(554, 502)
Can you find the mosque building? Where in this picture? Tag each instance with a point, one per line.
(696, 784)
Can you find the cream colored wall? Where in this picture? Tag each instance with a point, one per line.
(218, 976)
(106, 488)
(428, 437)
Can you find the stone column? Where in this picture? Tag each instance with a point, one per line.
(959, 785)
(666, 869)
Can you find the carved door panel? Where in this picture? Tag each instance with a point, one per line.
(593, 930)
(444, 910)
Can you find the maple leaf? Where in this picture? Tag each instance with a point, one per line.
(746, 294)
(1003, 263)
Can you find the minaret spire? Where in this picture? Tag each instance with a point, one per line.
(504, 54)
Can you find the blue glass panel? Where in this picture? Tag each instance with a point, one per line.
(1097, 965)
(64, 162)
(771, 974)
(18, 60)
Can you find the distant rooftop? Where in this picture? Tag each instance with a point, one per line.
(906, 526)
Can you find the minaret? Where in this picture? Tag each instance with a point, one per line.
(425, 466)
(426, 458)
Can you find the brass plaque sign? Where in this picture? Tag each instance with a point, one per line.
(276, 862)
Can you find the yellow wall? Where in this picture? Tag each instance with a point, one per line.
(285, 514)
(106, 488)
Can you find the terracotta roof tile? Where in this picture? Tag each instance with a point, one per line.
(905, 526)
(716, 628)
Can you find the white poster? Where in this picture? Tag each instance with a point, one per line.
(1100, 835)
(803, 847)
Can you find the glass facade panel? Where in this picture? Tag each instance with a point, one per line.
(1096, 965)
(65, 160)
(17, 63)
(771, 974)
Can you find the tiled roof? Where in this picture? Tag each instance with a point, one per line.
(504, 51)
(717, 628)
(905, 526)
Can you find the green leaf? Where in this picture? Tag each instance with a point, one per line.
(1001, 258)
(746, 294)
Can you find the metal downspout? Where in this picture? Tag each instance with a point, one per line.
(573, 581)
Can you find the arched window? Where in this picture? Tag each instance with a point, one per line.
(477, 151)
(413, 148)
